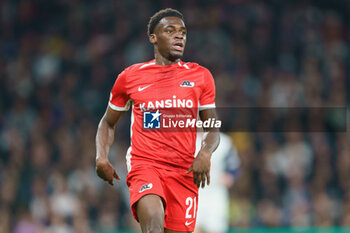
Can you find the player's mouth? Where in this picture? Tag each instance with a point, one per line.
(178, 46)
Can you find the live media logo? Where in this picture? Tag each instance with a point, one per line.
(151, 120)
(154, 120)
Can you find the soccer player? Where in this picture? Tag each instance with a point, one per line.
(163, 174)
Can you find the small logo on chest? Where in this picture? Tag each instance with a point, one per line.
(146, 187)
(186, 83)
(143, 88)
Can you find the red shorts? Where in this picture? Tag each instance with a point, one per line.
(179, 194)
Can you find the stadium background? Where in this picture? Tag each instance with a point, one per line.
(59, 60)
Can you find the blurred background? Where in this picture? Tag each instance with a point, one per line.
(59, 60)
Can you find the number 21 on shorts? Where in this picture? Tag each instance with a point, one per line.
(191, 212)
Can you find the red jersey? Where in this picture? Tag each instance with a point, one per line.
(148, 87)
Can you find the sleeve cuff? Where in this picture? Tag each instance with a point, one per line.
(117, 108)
(206, 106)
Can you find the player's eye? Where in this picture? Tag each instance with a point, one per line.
(169, 31)
(183, 33)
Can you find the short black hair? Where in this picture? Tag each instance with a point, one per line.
(154, 20)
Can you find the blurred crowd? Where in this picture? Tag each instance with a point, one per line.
(59, 60)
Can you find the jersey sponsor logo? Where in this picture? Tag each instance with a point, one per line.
(146, 187)
(186, 83)
(151, 120)
(187, 223)
(143, 88)
(167, 103)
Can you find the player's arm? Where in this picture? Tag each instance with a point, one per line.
(201, 165)
(212, 140)
(104, 141)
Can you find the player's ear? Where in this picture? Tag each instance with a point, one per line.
(153, 38)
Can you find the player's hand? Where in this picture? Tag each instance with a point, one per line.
(105, 170)
(201, 168)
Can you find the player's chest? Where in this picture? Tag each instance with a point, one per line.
(166, 87)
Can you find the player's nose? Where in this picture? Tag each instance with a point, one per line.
(179, 35)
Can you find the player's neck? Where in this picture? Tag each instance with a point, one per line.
(160, 60)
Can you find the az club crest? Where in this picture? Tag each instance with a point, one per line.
(187, 84)
(146, 187)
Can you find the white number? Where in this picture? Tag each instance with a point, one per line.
(189, 202)
(194, 208)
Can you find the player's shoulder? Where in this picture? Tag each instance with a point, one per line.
(199, 69)
(195, 66)
(138, 66)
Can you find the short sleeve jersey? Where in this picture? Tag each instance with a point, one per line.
(150, 87)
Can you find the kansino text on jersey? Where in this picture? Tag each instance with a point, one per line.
(168, 103)
(191, 123)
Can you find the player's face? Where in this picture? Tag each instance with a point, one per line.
(170, 37)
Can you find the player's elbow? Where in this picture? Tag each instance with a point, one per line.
(106, 123)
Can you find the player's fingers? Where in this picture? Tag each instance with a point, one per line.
(110, 182)
(98, 172)
(101, 175)
(189, 170)
(199, 180)
(208, 178)
(115, 175)
(203, 180)
(195, 177)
